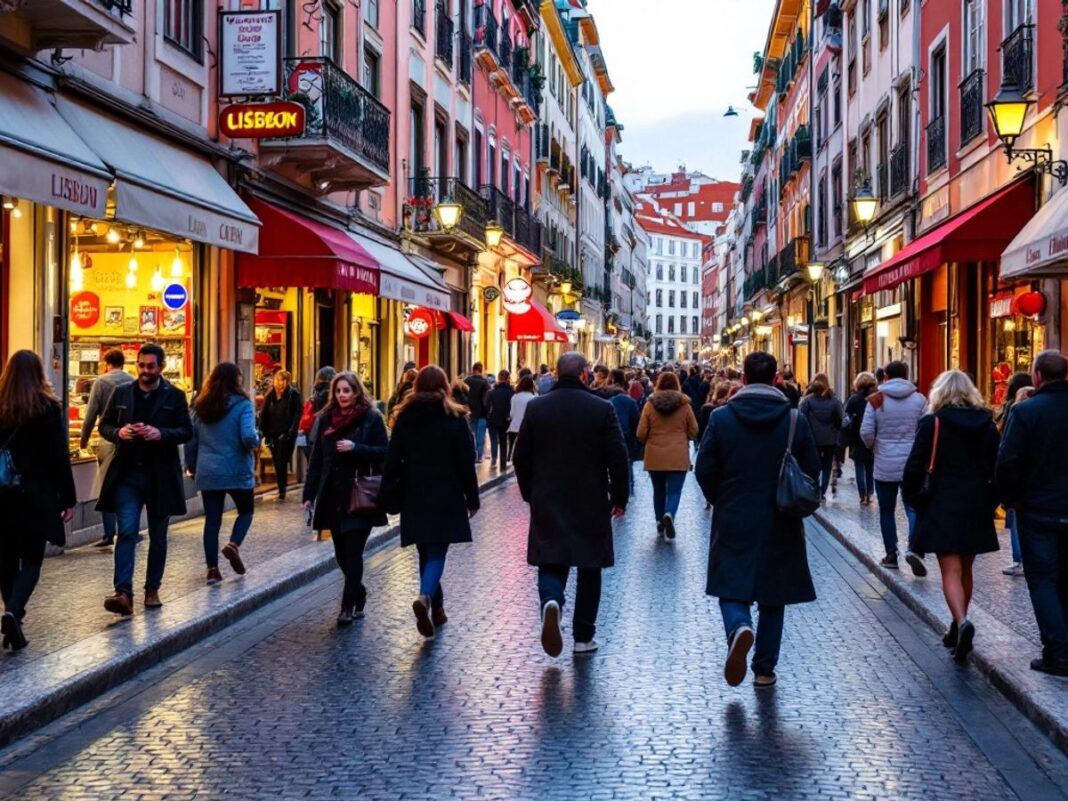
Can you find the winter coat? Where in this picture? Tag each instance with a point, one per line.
(429, 476)
(889, 426)
(757, 553)
(545, 383)
(628, 414)
(959, 516)
(99, 396)
(478, 398)
(499, 406)
(280, 417)
(328, 483)
(1032, 466)
(855, 408)
(221, 454)
(824, 415)
(666, 427)
(691, 388)
(166, 488)
(519, 408)
(792, 393)
(39, 451)
(571, 466)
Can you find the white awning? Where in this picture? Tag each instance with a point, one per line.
(1041, 248)
(42, 158)
(400, 279)
(162, 186)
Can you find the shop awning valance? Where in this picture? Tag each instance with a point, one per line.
(459, 322)
(162, 186)
(42, 158)
(400, 279)
(536, 325)
(978, 234)
(298, 251)
(1041, 248)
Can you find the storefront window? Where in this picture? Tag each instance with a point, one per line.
(276, 312)
(364, 340)
(1015, 341)
(127, 287)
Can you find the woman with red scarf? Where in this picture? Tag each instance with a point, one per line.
(351, 441)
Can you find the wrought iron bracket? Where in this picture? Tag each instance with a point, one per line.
(1043, 161)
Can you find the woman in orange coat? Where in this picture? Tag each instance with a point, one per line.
(666, 427)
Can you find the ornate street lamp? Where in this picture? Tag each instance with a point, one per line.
(1008, 114)
(448, 214)
(865, 204)
(815, 271)
(494, 233)
(565, 287)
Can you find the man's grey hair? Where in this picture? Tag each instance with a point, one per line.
(1051, 365)
(571, 364)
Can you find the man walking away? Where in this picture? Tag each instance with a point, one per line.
(628, 414)
(478, 403)
(545, 380)
(758, 554)
(889, 429)
(571, 466)
(114, 377)
(146, 421)
(1031, 475)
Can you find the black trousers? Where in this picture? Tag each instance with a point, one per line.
(499, 445)
(552, 582)
(21, 556)
(826, 453)
(281, 456)
(348, 550)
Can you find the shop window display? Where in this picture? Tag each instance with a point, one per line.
(1016, 340)
(127, 286)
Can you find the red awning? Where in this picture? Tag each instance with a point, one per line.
(298, 251)
(981, 233)
(459, 322)
(537, 325)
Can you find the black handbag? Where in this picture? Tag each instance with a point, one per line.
(797, 494)
(923, 495)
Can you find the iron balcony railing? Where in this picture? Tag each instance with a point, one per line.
(466, 56)
(899, 169)
(443, 31)
(542, 143)
(936, 144)
(486, 29)
(419, 16)
(1017, 58)
(789, 260)
(122, 6)
(426, 192)
(505, 52)
(500, 208)
(338, 108)
(971, 107)
(527, 231)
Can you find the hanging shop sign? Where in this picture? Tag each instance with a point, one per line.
(490, 294)
(275, 120)
(250, 53)
(517, 294)
(175, 296)
(1000, 305)
(420, 323)
(85, 309)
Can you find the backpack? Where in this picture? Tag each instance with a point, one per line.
(307, 418)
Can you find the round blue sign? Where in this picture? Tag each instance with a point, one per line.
(175, 296)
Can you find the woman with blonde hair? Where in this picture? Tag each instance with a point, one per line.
(863, 456)
(949, 480)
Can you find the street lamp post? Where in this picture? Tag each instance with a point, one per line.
(1008, 113)
(815, 273)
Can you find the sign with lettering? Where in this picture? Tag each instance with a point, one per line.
(250, 53)
(85, 309)
(175, 296)
(275, 120)
(1001, 305)
(419, 323)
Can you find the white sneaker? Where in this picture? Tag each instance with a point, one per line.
(735, 668)
(1015, 569)
(586, 647)
(669, 526)
(552, 641)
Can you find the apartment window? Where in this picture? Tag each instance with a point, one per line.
(717, 208)
(492, 165)
(505, 161)
(659, 298)
(851, 70)
(884, 24)
(330, 32)
(370, 12)
(671, 249)
(693, 322)
(671, 273)
(837, 198)
(671, 299)
(865, 17)
(836, 93)
(973, 36)
(1017, 13)
(459, 164)
(682, 325)
(682, 299)
(517, 182)
(695, 300)
(691, 208)
(441, 149)
(372, 73)
(821, 212)
(684, 274)
(660, 324)
(695, 276)
(671, 325)
(478, 158)
(659, 276)
(183, 25)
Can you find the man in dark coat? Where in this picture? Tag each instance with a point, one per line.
(478, 403)
(758, 554)
(147, 420)
(1031, 476)
(572, 467)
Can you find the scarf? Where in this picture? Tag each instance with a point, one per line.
(341, 419)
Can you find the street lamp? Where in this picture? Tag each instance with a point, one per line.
(864, 204)
(494, 232)
(565, 287)
(815, 271)
(448, 213)
(1008, 114)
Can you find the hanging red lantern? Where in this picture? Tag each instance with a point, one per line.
(1030, 304)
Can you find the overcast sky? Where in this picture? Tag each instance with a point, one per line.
(676, 66)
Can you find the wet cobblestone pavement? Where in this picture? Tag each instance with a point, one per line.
(284, 705)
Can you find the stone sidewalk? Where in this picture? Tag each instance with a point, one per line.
(78, 650)
(1006, 632)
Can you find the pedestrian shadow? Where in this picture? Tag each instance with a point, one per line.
(756, 737)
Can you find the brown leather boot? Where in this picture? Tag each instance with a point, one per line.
(120, 604)
(439, 617)
(214, 576)
(152, 600)
(233, 556)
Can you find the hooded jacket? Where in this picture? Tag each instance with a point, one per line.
(889, 426)
(757, 554)
(665, 429)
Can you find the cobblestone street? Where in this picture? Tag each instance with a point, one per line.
(284, 705)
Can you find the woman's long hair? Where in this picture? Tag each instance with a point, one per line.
(25, 392)
(1016, 383)
(363, 398)
(954, 388)
(212, 403)
(820, 386)
(431, 384)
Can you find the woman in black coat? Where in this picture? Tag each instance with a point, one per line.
(955, 520)
(351, 440)
(497, 418)
(429, 478)
(33, 445)
(278, 423)
(824, 414)
(862, 455)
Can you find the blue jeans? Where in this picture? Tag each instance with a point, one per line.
(1014, 533)
(552, 582)
(768, 632)
(886, 492)
(479, 427)
(1044, 545)
(865, 473)
(214, 501)
(667, 492)
(131, 493)
(431, 569)
(111, 525)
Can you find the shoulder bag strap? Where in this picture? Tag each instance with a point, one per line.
(934, 446)
(793, 428)
(10, 438)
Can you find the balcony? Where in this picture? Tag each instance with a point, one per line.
(466, 55)
(469, 236)
(899, 169)
(971, 107)
(419, 16)
(443, 32)
(936, 144)
(487, 34)
(527, 231)
(788, 261)
(542, 145)
(505, 52)
(345, 144)
(522, 232)
(30, 27)
(1017, 60)
(882, 182)
(500, 208)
